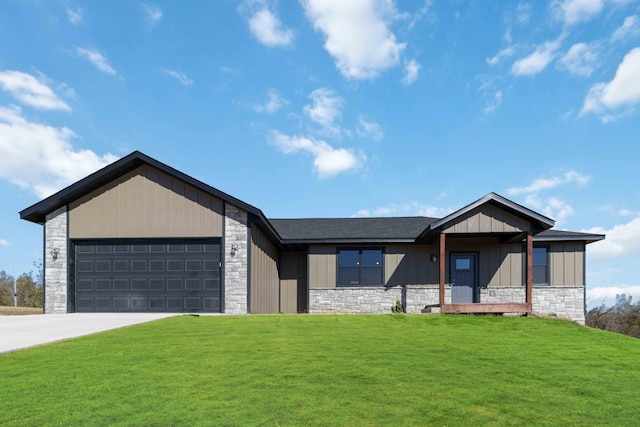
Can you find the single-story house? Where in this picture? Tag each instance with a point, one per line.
(139, 235)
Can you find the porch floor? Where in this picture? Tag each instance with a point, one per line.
(487, 308)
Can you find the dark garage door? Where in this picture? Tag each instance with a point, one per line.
(152, 276)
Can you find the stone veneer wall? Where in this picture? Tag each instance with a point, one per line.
(556, 301)
(562, 302)
(55, 271)
(501, 294)
(235, 266)
(370, 300)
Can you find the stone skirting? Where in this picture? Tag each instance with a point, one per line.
(502, 294)
(561, 302)
(370, 300)
(55, 270)
(236, 236)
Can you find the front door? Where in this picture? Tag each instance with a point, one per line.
(463, 277)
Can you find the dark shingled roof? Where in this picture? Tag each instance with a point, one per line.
(298, 232)
(385, 229)
(331, 229)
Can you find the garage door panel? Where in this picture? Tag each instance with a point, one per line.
(173, 276)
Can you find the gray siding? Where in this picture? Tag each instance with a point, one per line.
(145, 203)
(264, 280)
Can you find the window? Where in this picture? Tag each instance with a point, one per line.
(540, 266)
(360, 267)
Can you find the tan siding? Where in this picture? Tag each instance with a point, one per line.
(293, 282)
(145, 203)
(498, 264)
(488, 219)
(265, 292)
(322, 267)
(567, 264)
(410, 265)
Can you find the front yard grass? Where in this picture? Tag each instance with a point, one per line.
(328, 370)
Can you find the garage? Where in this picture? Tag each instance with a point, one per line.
(153, 275)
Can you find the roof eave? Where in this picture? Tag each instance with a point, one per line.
(587, 238)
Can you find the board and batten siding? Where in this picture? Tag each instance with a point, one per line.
(264, 280)
(488, 219)
(322, 267)
(145, 203)
(410, 265)
(293, 282)
(567, 264)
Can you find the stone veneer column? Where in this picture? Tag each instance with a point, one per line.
(55, 271)
(235, 266)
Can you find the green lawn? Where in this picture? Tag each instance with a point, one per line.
(328, 370)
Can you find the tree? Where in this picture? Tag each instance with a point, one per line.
(623, 317)
(29, 293)
(6, 288)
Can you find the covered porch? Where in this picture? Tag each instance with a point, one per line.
(472, 281)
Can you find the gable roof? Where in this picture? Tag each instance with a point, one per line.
(296, 232)
(540, 222)
(37, 213)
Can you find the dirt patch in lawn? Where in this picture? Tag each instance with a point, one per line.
(11, 311)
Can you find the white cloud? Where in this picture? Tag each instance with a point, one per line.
(74, 16)
(325, 110)
(607, 294)
(405, 209)
(273, 103)
(541, 184)
(629, 28)
(495, 102)
(421, 13)
(552, 207)
(152, 14)
(621, 240)
(179, 76)
(97, 59)
(369, 129)
(625, 212)
(40, 157)
(328, 161)
(537, 61)
(268, 30)
(411, 69)
(581, 59)
(623, 90)
(31, 91)
(5, 242)
(357, 34)
(571, 12)
(503, 54)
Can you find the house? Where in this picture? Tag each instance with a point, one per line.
(139, 235)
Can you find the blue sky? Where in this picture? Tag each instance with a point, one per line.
(326, 108)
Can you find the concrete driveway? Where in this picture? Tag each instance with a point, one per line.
(18, 332)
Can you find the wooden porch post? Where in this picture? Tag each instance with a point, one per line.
(441, 267)
(528, 298)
